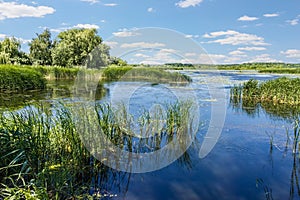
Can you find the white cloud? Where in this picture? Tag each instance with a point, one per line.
(190, 54)
(112, 44)
(291, 53)
(247, 18)
(140, 55)
(263, 58)
(110, 4)
(210, 59)
(103, 21)
(237, 53)
(235, 38)
(125, 33)
(86, 26)
(271, 15)
(2, 36)
(220, 33)
(21, 40)
(251, 48)
(9, 10)
(293, 22)
(191, 36)
(150, 10)
(142, 45)
(91, 1)
(188, 3)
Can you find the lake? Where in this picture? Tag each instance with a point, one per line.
(252, 159)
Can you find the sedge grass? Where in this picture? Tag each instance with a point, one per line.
(43, 157)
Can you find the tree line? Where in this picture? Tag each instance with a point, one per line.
(72, 47)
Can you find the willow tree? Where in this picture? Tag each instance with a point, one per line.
(72, 47)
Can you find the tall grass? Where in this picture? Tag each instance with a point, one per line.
(278, 91)
(19, 79)
(43, 157)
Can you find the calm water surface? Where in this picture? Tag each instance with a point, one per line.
(242, 165)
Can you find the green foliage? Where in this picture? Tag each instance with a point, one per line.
(115, 72)
(279, 68)
(128, 73)
(278, 91)
(15, 78)
(42, 156)
(98, 57)
(73, 46)
(40, 49)
(10, 52)
(117, 61)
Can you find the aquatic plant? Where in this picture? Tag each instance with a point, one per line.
(127, 73)
(20, 79)
(43, 156)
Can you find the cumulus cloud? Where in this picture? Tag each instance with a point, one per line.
(140, 55)
(9, 10)
(86, 26)
(235, 38)
(252, 48)
(237, 53)
(291, 53)
(271, 15)
(2, 36)
(142, 45)
(263, 58)
(188, 3)
(247, 18)
(125, 33)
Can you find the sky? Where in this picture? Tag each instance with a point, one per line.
(153, 32)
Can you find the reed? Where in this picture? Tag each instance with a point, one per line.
(128, 73)
(14, 78)
(278, 91)
(43, 157)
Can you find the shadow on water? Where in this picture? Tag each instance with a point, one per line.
(282, 112)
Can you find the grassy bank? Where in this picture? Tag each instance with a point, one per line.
(14, 78)
(278, 91)
(128, 73)
(279, 68)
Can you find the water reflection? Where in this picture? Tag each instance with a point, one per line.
(287, 113)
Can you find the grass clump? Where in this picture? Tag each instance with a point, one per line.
(278, 91)
(14, 78)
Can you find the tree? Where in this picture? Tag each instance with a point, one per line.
(73, 46)
(10, 51)
(40, 49)
(98, 57)
(118, 61)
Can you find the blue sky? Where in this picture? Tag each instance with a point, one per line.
(228, 31)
